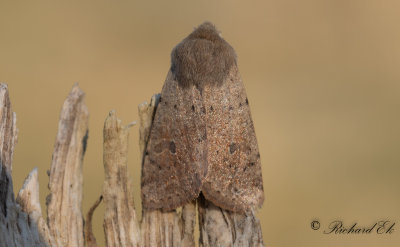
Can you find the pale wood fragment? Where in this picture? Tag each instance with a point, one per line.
(64, 214)
(160, 228)
(8, 128)
(172, 228)
(8, 135)
(146, 115)
(28, 199)
(89, 236)
(188, 223)
(219, 227)
(18, 228)
(120, 221)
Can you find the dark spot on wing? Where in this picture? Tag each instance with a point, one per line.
(232, 147)
(172, 147)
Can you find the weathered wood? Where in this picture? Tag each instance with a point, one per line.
(8, 128)
(160, 228)
(146, 115)
(189, 221)
(28, 199)
(219, 227)
(64, 214)
(120, 221)
(18, 228)
(89, 236)
(168, 228)
(8, 135)
(21, 220)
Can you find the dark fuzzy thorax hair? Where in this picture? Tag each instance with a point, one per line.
(202, 58)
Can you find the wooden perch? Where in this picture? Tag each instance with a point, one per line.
(8, 135)
(89, 236)
(28, 199)
(219, 227)
(64, 214)
(120, 221)
(18, 224)
(8, 128)
(21, 220)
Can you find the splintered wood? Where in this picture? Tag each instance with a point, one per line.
(219, 227)
(64, 213)
(120, 221)
(21, 220)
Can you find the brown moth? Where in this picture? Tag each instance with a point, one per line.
(202, 138)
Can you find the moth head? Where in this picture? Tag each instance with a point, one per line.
(207, 31)
(202, 58)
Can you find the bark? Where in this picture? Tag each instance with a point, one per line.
(64, 214)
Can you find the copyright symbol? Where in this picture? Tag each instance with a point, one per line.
(315, 225)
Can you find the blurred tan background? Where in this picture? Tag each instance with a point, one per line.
(322, 77)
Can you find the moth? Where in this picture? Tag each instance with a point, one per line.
(202, 139)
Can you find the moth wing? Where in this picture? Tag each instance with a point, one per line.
(234, 179)
(174, 161)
